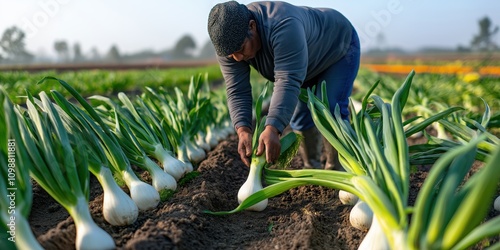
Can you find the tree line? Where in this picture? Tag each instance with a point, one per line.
(13, 48)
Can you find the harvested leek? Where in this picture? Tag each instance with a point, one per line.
(143, 194)
(136, 137)
(61, 169)
(118, 208)
(15, 186)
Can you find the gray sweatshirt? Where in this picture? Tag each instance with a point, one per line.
(298, 43)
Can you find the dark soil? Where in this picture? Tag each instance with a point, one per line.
(308, 217)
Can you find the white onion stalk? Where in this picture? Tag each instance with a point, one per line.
(375, 239)
(161, 179)
(183, 158)
(253, 183)
(118, 208)
(89, 236)
(347, 198)
(172, 165)
(210, 138)
(17, 232)
(223, 133)
(145, 129)
(195, 153)
(61, 168)
(144, 195)
(361, 216)
(219, 134)
(140, 134)
(200, 140)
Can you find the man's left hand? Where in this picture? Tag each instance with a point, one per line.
(269, 141)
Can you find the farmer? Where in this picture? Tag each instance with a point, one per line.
(294, 47)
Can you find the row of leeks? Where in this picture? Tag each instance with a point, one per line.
(449, 209)
(143, 194)
(62, 143)
(16, 194)
(138, 140)
(140, 133)
(60, 166)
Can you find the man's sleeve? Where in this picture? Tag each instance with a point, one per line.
(291, 60)
(238, 90)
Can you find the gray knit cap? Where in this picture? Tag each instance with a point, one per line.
(228, 27)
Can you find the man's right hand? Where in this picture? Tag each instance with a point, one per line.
(245, 144)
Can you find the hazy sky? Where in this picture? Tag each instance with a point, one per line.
(158, 24)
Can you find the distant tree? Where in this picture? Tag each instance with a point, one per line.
(62, 49)
(484, 40)
(77, 53)
(94, 54)
(113, 54)
(461, 48)
(380, 40)
(184, 48)
(12, 43)
(207, 51)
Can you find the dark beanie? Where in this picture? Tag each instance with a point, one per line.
(228, 27)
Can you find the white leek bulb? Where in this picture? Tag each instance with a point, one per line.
(89, 236)
(253, 183)
(496, 204)
(218, 134)
(118, 208)
(200, 140)
(144, 195)
(361, 216)
(183, 158)
(188, 166)
(210, 137)
(375, 239)
(223, 133)
(170, 164)
(347, 198)
(229, 127)
(195, 154)
(161, 180)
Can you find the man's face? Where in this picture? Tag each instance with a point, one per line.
(250, 45)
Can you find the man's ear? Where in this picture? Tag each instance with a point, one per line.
(253, 25)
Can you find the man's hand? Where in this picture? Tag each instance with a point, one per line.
(269, 142)
(245, 144)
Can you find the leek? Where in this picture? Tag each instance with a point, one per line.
(253, 182)
(136, 138)
(184, 118)
(15, 186)
(61, 169)
(118, 208)
(173, 128)
(143, 194)
(448, 211)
